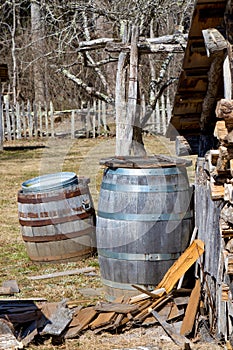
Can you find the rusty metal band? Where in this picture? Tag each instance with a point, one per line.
(58, 237)
(82, 253)
(26, 198)
(49, 214)
(54, 221)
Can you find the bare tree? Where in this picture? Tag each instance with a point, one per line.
(72, 51)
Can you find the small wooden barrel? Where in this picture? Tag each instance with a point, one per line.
(57, 218)
(144, 223)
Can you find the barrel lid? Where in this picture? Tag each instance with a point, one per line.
(50, 182)
(155, 161)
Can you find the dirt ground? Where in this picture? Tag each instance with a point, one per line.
(23, 160)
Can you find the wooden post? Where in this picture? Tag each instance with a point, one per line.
(94, 117)
(52, 119)
(30, 119)
(88, 121)
(13, 128)
(46, 121)
(40, 117)
(99, 117)
(168, 108)
(35, 117)
(8, 121)
(157, 118)
(18, 122)
(163, 115)
(120, 102)
(72, 124)
(23, 120)
(104, 118)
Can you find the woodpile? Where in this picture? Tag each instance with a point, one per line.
(220, 165)
(23, 321)
(214, 219)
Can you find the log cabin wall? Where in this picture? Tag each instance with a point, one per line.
(203, 117)
(200, 83)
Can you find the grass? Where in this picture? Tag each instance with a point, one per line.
(20, 162)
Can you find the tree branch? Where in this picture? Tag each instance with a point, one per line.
(89, 90)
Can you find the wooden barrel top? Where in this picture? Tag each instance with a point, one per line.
(155, 161)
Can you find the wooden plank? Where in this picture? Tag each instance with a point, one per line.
(214, 40)
(63, 273)
(156, 294)
(58, 321)
(102, 320)
(7, 338)
(178, 339)
(115, 307)
(184, 262)
(155, 305)
(106, 318)
(80, 321)
(190, 313)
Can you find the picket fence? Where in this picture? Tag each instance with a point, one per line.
(37, 121)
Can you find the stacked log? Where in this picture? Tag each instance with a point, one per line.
(214, 217)
(222, 174)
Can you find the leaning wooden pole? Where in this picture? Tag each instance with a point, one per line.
(120, 99)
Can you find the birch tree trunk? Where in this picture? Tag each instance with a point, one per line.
(14, 83)
(37, 48)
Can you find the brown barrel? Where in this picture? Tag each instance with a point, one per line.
(143, 224)
(57, 223)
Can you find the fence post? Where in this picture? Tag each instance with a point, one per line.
(8, 121)
(23, 120)
(46, 121)
(99, 117)
(104, 117)
(94, 116)
(168, 108)
(35, 117)
(30, 119)
(163, 115)
(157, 117)
(88, 121)
(52, 119)
(72, 124)
(40, 133)
(18, 122)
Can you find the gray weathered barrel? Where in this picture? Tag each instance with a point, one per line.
(57, 217)
(143, 225)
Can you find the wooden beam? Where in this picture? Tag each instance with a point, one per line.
(214, 41)
(191, 310)
(184, 262)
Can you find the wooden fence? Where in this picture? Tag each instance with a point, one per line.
(36, 121)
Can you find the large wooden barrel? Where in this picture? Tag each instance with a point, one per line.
(57, 217)
(144, 223)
